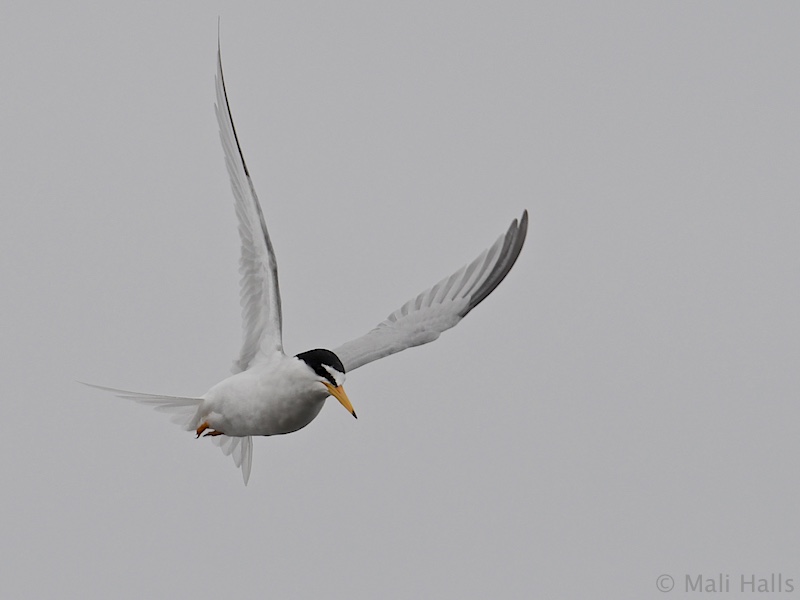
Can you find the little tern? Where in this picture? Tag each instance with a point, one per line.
(271, 393)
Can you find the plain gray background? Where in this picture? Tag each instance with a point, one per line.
(624, 405)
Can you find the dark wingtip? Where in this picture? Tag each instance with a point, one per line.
(219, 44)
(523, 227)
(512, 246)
(228, 105)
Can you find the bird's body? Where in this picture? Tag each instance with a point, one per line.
(271, 393)
(275, 397)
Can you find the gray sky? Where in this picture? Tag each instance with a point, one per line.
(624, 405)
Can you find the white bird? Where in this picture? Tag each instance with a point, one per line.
(271, 393)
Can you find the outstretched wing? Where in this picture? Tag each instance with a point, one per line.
(423, 318)
(259, 293)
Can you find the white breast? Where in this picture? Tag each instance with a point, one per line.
(275, 397)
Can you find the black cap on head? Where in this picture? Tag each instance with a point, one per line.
(318, 359)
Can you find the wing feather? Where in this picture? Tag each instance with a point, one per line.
(423, 318)
(260, 297)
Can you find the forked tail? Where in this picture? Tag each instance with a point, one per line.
(185, 412)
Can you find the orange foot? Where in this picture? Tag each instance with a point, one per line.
(203, 427)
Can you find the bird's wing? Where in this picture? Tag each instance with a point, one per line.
(423, 318)
(259, 293)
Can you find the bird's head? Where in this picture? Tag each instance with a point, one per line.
(330, 373)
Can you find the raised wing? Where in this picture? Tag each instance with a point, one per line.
(423, 318)
(259, 292)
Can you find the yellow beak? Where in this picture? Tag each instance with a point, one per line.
(339, 394)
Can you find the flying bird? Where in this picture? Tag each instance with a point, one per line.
(272, 393)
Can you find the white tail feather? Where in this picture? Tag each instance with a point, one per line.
(184, 411)
(241, 449)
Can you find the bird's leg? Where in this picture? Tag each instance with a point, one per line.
(202, 428)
